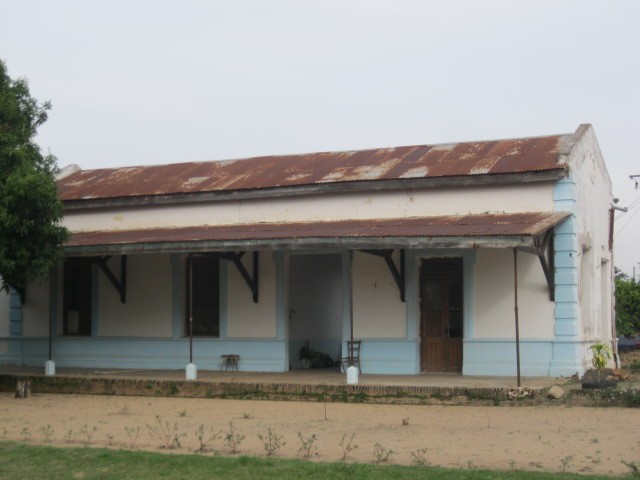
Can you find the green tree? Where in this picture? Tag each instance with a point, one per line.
(627, 305)
(31, 236)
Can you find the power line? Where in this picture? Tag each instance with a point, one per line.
(628, 221)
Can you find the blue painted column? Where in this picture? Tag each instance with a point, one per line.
(412, 294)
(566, 357)
(282, 305)
(15, 325)
(177, 294)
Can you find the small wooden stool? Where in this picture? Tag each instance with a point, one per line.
(229, 362)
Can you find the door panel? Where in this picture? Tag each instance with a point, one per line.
(441, 307)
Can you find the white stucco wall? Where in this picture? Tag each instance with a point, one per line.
(377, 309)
(35, 311)
(594, 199)
(148, 310)
(4, 314)
(493, 296)
(386, 204)
(246, 319)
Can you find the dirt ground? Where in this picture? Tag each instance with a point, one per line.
(549, 438)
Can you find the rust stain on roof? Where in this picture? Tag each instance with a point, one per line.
(505, 224)
(422, 161)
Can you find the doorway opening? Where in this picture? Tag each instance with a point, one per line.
(315, 305)
(441, 315)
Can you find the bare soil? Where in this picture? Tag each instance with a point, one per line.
(549, 438)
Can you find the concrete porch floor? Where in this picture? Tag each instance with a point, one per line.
(299, 377)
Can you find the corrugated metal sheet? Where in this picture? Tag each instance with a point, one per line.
(424, 161)
(506, 224)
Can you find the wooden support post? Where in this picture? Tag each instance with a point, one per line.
(190, 308)
(515, 288)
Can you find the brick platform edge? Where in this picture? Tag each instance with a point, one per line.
(265, 391)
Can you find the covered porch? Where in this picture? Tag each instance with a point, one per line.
(255, 304)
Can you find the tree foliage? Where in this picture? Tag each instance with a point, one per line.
(30, 212)
(627, 305)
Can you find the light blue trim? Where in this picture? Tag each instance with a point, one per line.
(387, 356)
(412, 279)
(566, 348)
(259, 355)
(223, 296)
(95, 301)
(177, 294)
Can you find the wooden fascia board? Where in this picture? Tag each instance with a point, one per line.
(359, 243)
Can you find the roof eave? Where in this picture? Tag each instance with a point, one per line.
(338, 187)
(502, 241)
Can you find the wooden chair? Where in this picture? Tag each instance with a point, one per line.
(353, 358)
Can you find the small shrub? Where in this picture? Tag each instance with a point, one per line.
(183, 412)
(26, 434)
(565, 462)
(420, 457)
(247, 416)
(271, 442)
(167, 434)
(635, 365)
(233, 439)
(109, 439)
(68, 435)
(133, 434)
(205, 438)
(601, 353)
(634, 468)
(307, 447)
(381, 454)
(124, 410)
(47, 432)
(88, 434)
(405, 421)
(347, 445)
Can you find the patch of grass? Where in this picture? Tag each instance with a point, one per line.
(20, 461)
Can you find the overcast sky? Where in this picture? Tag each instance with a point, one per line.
(149, 82)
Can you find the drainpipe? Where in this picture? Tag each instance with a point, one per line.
(515, 287)
(614, 333)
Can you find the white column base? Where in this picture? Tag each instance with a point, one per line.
(49, 368)
(192, 371)
(352, 375)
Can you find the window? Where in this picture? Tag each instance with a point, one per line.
(77, 297)
(206, 297)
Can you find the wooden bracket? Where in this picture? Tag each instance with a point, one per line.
(236, 259)
(543, 249)
(398, 275)
(121, 284)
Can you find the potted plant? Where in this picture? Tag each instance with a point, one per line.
(306, 355)
(596, 377)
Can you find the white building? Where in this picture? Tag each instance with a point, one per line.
(411, 247)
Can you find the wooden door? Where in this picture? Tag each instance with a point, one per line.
(441, 310)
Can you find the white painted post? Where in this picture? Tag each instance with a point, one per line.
(192, 371)
(352, 375)
(49, 368)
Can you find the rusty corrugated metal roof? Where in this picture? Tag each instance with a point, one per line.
(423, 161)
(483, 225)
